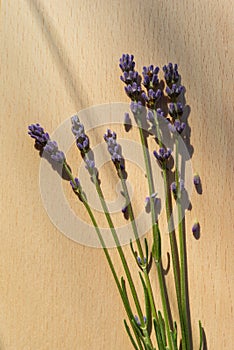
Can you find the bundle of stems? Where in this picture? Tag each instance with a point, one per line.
(150, 328)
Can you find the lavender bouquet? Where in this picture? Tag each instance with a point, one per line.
(154, 104)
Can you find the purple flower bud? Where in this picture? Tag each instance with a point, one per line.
(139, 260)
(75, 185)
(162, 155)
(196, 228)
(137, 320)
(196, 180)
(173, 187)
(174, 190)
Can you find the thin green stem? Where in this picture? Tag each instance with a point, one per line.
(94, 222)
(123, 260)
(140, 250)
(172, 236)
(156, 233)
(183, 282)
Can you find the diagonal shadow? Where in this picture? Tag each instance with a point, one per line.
(57, 51)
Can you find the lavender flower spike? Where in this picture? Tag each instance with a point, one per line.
(41, 137)
(113, 147)
(82, 140)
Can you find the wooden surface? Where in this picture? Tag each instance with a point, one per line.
(58, 57)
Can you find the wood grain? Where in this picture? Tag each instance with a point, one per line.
(58, 57)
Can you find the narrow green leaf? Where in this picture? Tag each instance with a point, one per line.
(130, 335)
(162, 328)
(158, 335)
(156, 249)
(146, 250)
(147, 305)
(125, 298)
(174, 336)
(201, 335)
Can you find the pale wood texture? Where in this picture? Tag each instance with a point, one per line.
(58, 57)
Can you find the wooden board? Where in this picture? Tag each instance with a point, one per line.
(58, 57)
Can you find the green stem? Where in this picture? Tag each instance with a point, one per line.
(174, 254)
(156, 233)
(123, 259)
(94, 222)
(172, 236)
(140, 251)
(184, 296)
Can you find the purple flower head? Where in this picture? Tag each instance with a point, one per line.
(39, 135)
(51, 148)
(126, 62)
(150, 75)
(171, 74)
(174, 91)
